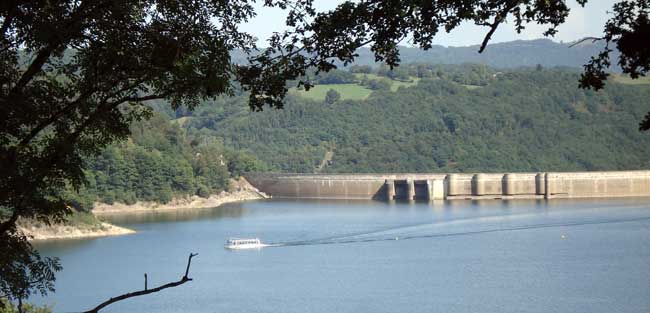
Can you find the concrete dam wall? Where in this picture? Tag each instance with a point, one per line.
(454, 186)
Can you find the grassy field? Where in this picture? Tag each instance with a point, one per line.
(470, 87)
(347, 91)
(395, 84)
(181, 120)
(623, 79)
(351, 91)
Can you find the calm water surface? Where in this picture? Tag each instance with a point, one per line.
(338, 257)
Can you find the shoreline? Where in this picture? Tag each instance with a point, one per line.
(246, 193)
(55, 232)
(241, 191)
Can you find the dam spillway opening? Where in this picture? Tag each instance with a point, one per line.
(408, 190)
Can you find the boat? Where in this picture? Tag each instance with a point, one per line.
(242, 243)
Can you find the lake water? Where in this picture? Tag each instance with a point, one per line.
(347, 256)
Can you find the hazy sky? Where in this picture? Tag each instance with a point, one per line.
(582, 22)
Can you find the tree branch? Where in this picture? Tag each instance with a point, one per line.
(488, 36)
(500, 17)
(183, 280)
(593, 39)
(69, 108)
(63, 36)
(140, 99)
(107, 106)
(35, 67)
(43, 124)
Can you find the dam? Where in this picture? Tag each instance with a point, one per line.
(540, 185)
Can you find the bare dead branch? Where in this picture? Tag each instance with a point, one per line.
(593, 39)
(146, 291)
(189, 260)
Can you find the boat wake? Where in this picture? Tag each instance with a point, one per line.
(420, 231)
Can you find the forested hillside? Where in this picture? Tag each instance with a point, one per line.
(454, 119)
(420, 117)
(160, 162)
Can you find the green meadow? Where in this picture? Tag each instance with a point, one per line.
(624, 79)
(347, 91)
(395, 84)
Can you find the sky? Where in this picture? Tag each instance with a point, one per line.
(582, 22)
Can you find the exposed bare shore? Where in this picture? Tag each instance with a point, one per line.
(240, 191)
(43, 232)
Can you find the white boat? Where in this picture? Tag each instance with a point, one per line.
(240, 243)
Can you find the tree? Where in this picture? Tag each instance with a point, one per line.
(335, 77)
(363, 69)
(378, 84)
(332, 96)
(74, 74)
(241, 162)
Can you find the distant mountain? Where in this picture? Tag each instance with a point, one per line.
(500, 55)
(510, 54)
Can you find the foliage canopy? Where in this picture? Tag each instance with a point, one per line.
(456, 118)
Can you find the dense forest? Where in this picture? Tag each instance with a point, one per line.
(420, 117)
(160, 162)
(454, 119)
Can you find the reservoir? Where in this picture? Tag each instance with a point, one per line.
(458, 256)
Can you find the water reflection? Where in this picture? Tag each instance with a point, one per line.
(64, 246)
(230, 210)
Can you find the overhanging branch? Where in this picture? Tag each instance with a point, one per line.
(500, 17)
(593, 39)
(125, 296)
